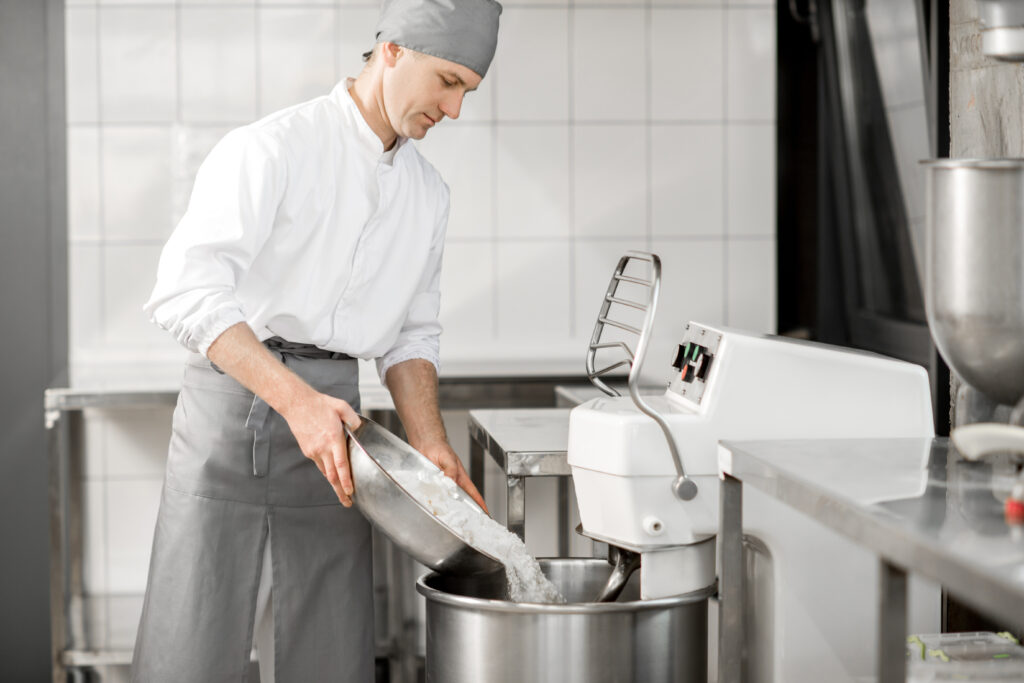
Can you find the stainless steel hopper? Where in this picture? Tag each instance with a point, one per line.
(975, 271)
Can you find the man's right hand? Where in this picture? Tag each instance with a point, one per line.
(316, 423)
(314, 418)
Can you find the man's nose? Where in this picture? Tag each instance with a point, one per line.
(452, 105)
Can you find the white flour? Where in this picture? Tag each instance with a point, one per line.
(449, 503)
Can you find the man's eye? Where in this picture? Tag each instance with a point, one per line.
(447, 82)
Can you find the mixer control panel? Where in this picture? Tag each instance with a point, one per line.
(693, 361)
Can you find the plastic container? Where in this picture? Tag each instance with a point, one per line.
(980, 657)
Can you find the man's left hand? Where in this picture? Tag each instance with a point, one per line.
(444, 457)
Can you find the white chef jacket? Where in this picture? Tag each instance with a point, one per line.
(303, 227)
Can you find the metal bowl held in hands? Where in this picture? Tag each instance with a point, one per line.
(375, 454)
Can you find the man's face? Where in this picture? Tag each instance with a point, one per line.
(420, 90)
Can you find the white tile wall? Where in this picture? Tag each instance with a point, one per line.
(136, 187)
(136, 442)
(751, 283)
(467, 295)
(464, 154)
(610, 176)
(687, 55)
(127, 282)
(687, 180)
(751, 58)
(137, 65)
(608, 64)
(131, 517)
(84, 183)
(190, 145)
(750, 189)
(297, 60)
(593, 263)
(604, 125)
(218, 73)
(531, 68)
(693, 278)
(82, 64)
(94, 536)
(355, 35)
(533, 198)
(533, 292)
(85, 295)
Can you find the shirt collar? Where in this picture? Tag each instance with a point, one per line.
(368, 139)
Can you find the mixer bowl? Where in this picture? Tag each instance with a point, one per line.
(374, 455)
(475, 635)
(975, 271)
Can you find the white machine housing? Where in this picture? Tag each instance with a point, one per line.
(734, 385)
(755, 387)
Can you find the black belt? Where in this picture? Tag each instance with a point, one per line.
(284, 346)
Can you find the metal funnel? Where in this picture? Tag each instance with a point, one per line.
(975, 271)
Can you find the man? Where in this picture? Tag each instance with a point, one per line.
(313, 237)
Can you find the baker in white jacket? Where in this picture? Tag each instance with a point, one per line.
(313, 237)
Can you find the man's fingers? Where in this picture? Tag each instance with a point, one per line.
(340, 453)
(334, 479)
(468, 486)
(348, 415)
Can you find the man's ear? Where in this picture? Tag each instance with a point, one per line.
(391, 53)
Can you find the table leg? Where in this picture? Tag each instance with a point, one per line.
(563, 516)
(731, 644)
(58, 455)
(476, 465)
(892, 623)
(517, 506)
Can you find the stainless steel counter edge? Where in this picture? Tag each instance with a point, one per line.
(968, 581)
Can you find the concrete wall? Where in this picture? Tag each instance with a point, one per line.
(33, 307)
(986, 97)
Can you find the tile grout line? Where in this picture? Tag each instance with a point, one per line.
(570, 42)
(648, 131)
(495, 298)
(725, 166)
(336, 43)
(179, 111)
(178, 117)
(257, 71)
(101, 208)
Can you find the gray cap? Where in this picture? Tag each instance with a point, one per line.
(461, 31)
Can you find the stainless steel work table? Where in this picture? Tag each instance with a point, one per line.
(524, 442)
(916, 503)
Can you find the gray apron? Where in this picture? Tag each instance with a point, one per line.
(235, 475)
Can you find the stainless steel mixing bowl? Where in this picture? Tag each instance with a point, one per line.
(374, 454)
(975, 271)
(474, 635)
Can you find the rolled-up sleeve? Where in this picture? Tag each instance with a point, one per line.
(229, 218)
(420, 336)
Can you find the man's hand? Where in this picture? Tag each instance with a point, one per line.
(443, 456)
(413, 385)
(316, 424)
(314, 418)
